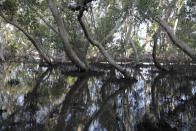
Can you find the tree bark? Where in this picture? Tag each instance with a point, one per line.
(180, 44)
(63, 34)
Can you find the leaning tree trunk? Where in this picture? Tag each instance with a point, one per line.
(63, 34)
(180, 44)
(101, 48)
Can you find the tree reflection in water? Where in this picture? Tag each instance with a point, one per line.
(46, 99)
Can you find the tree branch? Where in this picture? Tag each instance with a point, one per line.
(44, 20)
(29, 37)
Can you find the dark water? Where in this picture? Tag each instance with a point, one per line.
(38, 98)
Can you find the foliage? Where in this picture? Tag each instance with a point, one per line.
(101, 17)
(10, 7)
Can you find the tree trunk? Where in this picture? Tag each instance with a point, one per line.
(157, 64)
(180, 3)
(63, 34)
(2, 46)
(179, 6)
(154, 27)
(129, 39)
(2, 52)
(180, 44)
(101, 48)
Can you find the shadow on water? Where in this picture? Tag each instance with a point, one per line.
(40, 98)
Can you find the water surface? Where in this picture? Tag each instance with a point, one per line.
(40, 98)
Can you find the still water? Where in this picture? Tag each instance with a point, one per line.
(39, 98)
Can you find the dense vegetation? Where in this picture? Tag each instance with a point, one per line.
(62, 64)
(83, 30)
